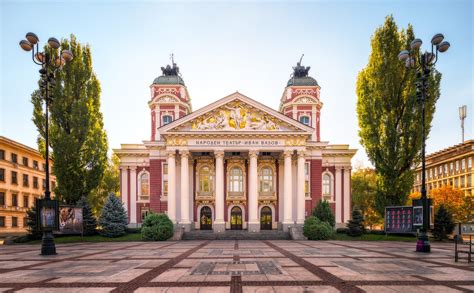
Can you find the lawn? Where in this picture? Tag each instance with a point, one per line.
(374, 237)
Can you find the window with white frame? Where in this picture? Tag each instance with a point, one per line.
(469, 163)
(266, 179)
(304, 120)
(457, 166)
(236, 180)
(144, 184)
(327, 186)
(205, 179)
(307, 191)
(164, 176)
(167, 119)
(463, 164)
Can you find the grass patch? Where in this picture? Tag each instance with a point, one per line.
(374, 237)
(94, 238)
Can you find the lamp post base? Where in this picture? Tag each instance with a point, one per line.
(47, 244)
(423, 244)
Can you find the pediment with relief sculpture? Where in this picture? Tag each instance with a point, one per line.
(236, 115)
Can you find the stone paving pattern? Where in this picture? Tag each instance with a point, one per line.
(235, 266)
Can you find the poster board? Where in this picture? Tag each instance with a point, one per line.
(399, 219)
(70, 220)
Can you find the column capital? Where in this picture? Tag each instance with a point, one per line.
(184, 153)
(133, 168)
(338, 168)
(288, 153)
(301, 153)
(348, 168)
(219, 154)
(253, 153)
(171, 153)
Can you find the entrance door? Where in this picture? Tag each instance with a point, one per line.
(266, 218)
(206, 218)
(236, 218)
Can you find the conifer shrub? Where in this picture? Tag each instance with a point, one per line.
(315, 229)
(157, 227)
(323, 212)
(443, 225)
(113, 218)
(89, 222)
(355, 227)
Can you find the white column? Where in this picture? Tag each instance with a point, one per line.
(219, 224)
(133, 195)
(172, 186)
(287, 190)
(300, 196)
(347, 194)
(185, 190)
(338, 203)
(280, 190)
(254, 224)
(124, 188)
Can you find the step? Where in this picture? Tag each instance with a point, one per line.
(236, 235)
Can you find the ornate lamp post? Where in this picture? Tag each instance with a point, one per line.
(422, 65)
(50, 60)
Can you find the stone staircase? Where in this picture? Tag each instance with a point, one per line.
(236, 235)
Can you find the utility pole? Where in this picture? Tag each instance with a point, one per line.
(462, 116)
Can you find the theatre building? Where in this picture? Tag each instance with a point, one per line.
(236, 163)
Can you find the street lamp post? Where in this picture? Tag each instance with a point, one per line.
(50, 60)
(422, 65)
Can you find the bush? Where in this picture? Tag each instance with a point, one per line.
(113, 218)
(133, 230)
(316, 229)
(323, 212)
(355, 227)
(89, 223)
(443, 225)
(157, 227)
(33, 231)
(341, 230)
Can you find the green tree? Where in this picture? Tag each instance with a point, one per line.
(89, 222)
(443, 224)
(356, 227)
(110, 183)
(323, 212)
(364, 189)
(389, 114)
(77, 138)
(32, 223)
(113, 218)
(466, 212)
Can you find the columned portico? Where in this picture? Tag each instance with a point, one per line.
(219, 224)
(254, 223)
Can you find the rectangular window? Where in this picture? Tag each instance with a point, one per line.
(44, 183)
(457, 166)
(165, 169)
(35, 182)
(25, 201)
(306, 169)
(165, 188)
(35, 165)
(456, 182)
(306, 188)
(25, 161)
(463, 164)
(445, 169)
(14, 158)
(14, 200)
(431, 173)
(469, 163)
(468, 183)
(14, 177)
(451, 168)
(14, 222)
(144, 213)
(25, 222)
(434, 172)
(2, 198)
(44, 167)
(26, 180)
(2, 221)
(2, 154)
(462, 181)
(440, 171)
(2, 174)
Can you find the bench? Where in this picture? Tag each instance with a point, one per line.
(460, 246)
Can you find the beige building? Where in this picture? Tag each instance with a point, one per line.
(451, 166)
(22, 179)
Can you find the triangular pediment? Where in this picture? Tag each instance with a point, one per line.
(235, 113)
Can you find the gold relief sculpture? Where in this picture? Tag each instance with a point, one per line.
(295, 142)
(175, 141)
(235, 116)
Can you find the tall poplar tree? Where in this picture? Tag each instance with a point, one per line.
(390, 115)
(76, 134)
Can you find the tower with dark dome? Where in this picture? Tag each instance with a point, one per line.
(169, 99)
(300, 99)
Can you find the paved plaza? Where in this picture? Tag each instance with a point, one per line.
(234, 266)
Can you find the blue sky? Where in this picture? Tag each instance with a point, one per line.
(222, 47)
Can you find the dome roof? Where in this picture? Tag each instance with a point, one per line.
(304, 81)
(169, 79)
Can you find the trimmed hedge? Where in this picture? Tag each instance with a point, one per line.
(316, 229)
(157, 227)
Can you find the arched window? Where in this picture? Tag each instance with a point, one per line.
(304, 120)
(236, 180)
(266, 179)
(205, 179)
(144, 184)
(327, 192)
(167, 119)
